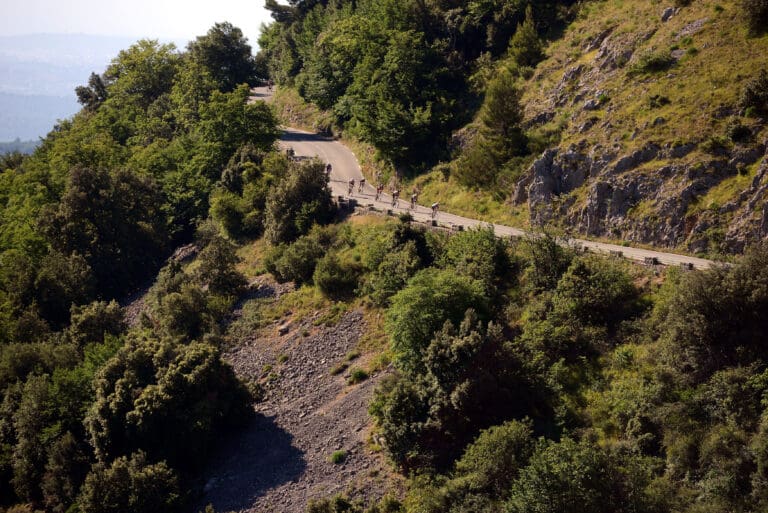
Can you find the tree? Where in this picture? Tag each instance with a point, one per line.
(335, 277)
(64, 473)
(163, 398)
(227, 123)
(493, 461)
(571, 477)
(92, 95)
(92, 323)
(225, 53)
(430, 298)
(216, 269)
(142, 73)
(525, 47)
(298, 201)
(114, 221)
(131, 485)
(594, 291)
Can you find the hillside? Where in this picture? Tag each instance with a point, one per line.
(654, 153)
(626, 121)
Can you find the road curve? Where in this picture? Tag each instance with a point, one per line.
(345, 167)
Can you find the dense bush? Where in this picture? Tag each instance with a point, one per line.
(131, 485)
(299, 200)
(754, 96)
(150, 388)
(430, 298)
(335, 277)
(756, 12)
(468, 379)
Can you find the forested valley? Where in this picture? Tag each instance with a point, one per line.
(513, 375)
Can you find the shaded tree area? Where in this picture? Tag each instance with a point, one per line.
(396, 73)
(94, 415)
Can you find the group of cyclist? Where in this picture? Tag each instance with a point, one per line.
(394, 192)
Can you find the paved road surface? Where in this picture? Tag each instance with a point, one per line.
(346, 167)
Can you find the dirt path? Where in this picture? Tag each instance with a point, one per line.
(281, 461)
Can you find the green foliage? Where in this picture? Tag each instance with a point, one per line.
(525, 47)
(755, 93)
(151, 388)
(713, 320)
(495, 458)
(113, 221)
(468, 379)
(571, 476)
(299, 200)
(430, 298)
(357, 376)
(131, 485)
(338, 457)
(548, 261)
(226, 55)
(500, 138)
(94, 322)
(652, 61)
(478, 254)
(594, 291)
(336, 277)
(297, 261)
(216, 268)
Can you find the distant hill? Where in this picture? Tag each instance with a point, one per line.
(18, 145)
(38, 76)
(28, 117)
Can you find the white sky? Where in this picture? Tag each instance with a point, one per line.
(172, 19)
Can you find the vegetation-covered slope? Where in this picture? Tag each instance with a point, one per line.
(634, 120)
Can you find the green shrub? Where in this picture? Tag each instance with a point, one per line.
(295, 262)
(338, 457)
(335, 278)
(420, 309)
(357, 376)
(754, 96)
(738, 133)
(652, 62)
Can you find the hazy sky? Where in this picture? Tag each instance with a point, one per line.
(173, 19)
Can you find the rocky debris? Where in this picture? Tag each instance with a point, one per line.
(668, 13)
(596, 41)
(280, 462)
(616, 50)
(184, 253)
(692, 28)
(677, 54)
(591, 104)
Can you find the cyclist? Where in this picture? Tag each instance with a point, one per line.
(328, 169)
(435, 208)
(379, 190)
(351, 186)
(395, 198)
(361, 185)
(414, 198)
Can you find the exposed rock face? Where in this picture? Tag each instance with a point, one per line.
(650, 206)
(750, 211)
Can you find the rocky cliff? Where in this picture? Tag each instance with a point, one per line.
(655, 146)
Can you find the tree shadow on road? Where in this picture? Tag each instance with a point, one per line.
(254, 460)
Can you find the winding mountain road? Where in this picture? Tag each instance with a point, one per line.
(345, 166)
